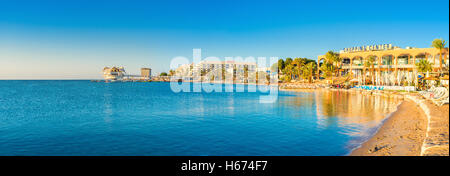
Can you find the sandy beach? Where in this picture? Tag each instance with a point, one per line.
(417, 128)
(402, 134)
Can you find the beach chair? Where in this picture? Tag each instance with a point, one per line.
(430, 93)
(443, 102)
(440, 93)
(443, 94)
(425, 92)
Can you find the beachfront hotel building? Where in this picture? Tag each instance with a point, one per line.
(229, 66)
(208, 66)
(203, 68)
(392, 65)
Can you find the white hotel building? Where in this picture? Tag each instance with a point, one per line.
(203, 68)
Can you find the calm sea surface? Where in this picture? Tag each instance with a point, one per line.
(91, 118)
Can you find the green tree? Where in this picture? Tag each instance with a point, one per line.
(288, 71)
(224, 72)
(288, 61)
(280, 65)
(338, 61)
(424, 66)
(308, 71)
(234, 73)
(171, 72)
(440, 45)
(327, 70)
(298, 64)
(245, 73)
(163, 74)
(330, 59)
(202, 74)
(371, 63)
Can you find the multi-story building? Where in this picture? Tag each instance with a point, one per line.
(391, 63)
(114, 73)
(185, 70)
(146, 73)
(202, 69)
(229, 66)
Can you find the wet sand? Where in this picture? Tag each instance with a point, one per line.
(401, 135)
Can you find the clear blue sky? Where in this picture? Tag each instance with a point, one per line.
(75, 39)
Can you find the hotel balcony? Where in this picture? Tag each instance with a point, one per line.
(405, 66)
(354, 66)
(361, 66)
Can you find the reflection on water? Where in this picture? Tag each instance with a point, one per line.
(87, 118)
(347, 108)
(356, 114)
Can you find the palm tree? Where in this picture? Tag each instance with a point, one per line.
(288, 61)
(299, 63)
(234, 73)
(330, 58)
(338, 61)
(202, 73)
(288, 71)
(367, 65)
(371, 61)
(440, 45)
(280, 65)
(257, 76)
(327, 70)
(308, 70)
(245, 73)
(223, 73)
(424, 66)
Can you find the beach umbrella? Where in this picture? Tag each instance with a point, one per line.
(430, 78)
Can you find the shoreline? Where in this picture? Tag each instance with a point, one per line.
(416, 128)
(401, 134)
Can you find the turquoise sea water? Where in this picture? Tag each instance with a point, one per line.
(92, 118)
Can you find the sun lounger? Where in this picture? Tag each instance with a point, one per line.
(443, 102)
